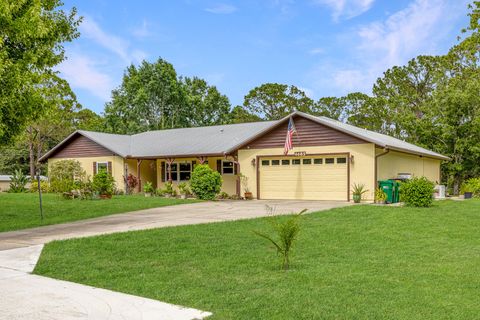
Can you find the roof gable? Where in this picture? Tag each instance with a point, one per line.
(308, 133)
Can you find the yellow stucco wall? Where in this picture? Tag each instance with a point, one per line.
(393, 163)
(229, 180)
(147, 171)
(87, 165)
(4, 186)
(362, 170)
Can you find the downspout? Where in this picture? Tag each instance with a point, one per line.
(386, 151)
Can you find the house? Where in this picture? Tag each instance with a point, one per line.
(327, 158)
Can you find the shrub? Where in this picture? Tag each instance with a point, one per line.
(380, 196)
(184, 188)
(286, 232)
(205, 182)
(168, 189)
(472, 185)
(417, 192)
(103, 183)
(131, 181)
(18, 182)
(223, 195)
(44, 186)
(148, 187)
(65, 175)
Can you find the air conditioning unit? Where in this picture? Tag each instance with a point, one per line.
(404, 176)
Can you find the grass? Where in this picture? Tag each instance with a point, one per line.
(359, 262)
(21, 210)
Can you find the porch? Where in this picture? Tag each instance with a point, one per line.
(179, 169)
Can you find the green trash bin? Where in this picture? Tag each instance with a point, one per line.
(388, 186)
(396, 190)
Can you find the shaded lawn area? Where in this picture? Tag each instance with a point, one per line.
(358, 262)
(21, 210)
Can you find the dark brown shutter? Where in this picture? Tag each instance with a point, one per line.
(109, 168)
(94, 168)
(235, 168)
(162, 164)
(219, 166)
(194, 163)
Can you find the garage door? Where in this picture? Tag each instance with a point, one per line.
(304, 178)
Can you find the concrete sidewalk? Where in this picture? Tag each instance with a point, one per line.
(194, 213)
(24, 296)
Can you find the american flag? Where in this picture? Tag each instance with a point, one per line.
(289, 139)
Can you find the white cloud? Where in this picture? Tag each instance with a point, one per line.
(346, 8)
(121, 47)
(82, 72)
(308, 92)
(418, 29)
(222, 8)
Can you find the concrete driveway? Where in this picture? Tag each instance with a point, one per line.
(27, 296)
(193, 213)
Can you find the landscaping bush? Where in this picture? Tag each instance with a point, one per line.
(44, 186)
(66, 175)
(103, 183)
(417, 192)
(472, 185)
(148, 187)
(205, 182)
(131, 181)
(18, 182)
(168, 189)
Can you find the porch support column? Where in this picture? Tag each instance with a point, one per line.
(139, 188)
(169, 168)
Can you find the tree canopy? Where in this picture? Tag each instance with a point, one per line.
(153, 97)
(31, 38)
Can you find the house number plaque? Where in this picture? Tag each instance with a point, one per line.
(300, 153)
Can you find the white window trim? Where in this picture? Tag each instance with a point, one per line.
(233, 168)
(177, 171)
(101, 162)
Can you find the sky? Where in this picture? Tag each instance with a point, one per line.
(324, 47)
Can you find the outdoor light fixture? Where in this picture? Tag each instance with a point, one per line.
(253, 162)
(351, 159)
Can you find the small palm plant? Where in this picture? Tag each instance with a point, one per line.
(357, 191)
(286, 232)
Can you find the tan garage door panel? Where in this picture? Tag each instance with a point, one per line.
(304, 181)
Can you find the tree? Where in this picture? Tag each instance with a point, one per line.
(149, 98)
(240, 115)
(205, 104)
(31, 37)
(273, 101)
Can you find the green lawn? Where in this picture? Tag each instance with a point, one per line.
(21, 210)
(359, 262)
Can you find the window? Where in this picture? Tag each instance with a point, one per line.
(227, 167)
(185, 171)
(174, 168)
(285, 162)
(180, 171)
(102, 166)
(307, 161)
(318, 161)
(275, 162)
(296, 161)
(329, 160)
(341, 160)
(265, 162)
